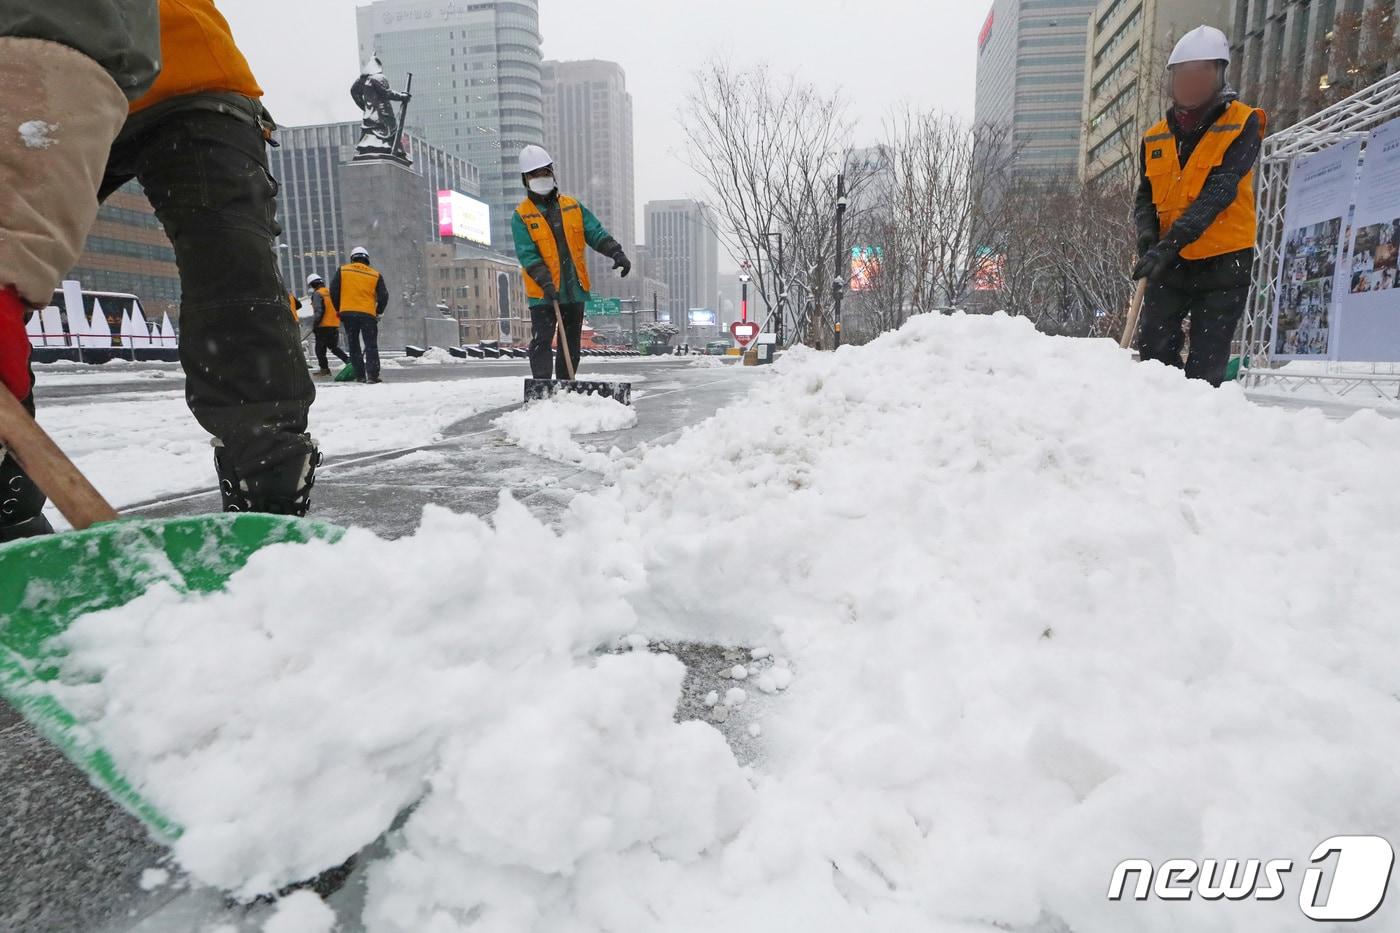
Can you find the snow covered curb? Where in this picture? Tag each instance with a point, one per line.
(1046, 610)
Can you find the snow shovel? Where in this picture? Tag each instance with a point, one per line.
(47, 583)
(1134, 312)
(544, 388)
(346, 373)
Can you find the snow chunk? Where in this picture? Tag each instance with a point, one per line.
(153, 878)
(735, 696)
(301, 912)
(37, 134)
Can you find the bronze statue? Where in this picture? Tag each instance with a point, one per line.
(382, 131)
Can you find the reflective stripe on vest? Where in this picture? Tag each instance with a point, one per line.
(197, 53)
(1175, 187)
(331, 317)
(359, 286)
(543, 236)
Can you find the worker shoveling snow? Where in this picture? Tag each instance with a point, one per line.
(1047, 610)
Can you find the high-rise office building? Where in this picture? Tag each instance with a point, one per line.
(127, 251)
(1030, 81)
(476, 83)
(1294, 58)
(309, 164)
(1125, 88)
(683, 252)
(588, 131)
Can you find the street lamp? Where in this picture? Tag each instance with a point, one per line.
(837, 281)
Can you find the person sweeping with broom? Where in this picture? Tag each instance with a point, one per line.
(552, 233)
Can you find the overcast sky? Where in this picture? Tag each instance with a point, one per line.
(880, 53)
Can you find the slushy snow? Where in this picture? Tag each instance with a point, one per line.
(1038, 610)
(547, 427)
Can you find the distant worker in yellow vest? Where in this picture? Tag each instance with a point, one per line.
(1195, 210)
(552, 233)
(325, 323)
(359, 294)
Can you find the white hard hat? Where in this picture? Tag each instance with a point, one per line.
(1202, 44)
(359, 251)
(532, 158)
(313, 278)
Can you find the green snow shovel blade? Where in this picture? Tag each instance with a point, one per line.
(47, 583)
(346, 374)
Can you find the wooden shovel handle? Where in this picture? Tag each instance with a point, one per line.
(1134, 311)
(564, 342)
(52, 471)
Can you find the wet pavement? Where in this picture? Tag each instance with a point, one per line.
(72, 861)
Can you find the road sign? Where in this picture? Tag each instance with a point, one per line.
(744, 332)
(603, 307)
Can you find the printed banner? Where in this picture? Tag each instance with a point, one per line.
(1370, 331)
(1311, 280)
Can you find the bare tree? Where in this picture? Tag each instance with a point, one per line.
(940, 201)
(769, 151)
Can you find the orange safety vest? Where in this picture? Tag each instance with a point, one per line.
(332, 317)
(543, 236)
(1175, 187)
(197, 53)
(359, 287)
(296, 307)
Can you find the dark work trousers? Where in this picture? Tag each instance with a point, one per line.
(328, 338)
(544, 325)
(246, 383)
(1214, 314)
(21, 502)
(362, 331)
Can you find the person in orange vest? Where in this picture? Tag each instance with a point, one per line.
(552, 234)
(1195, 211)
(104, 91)
(325, 323)
(359, 291)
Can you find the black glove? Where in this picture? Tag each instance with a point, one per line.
(551, 294)
(1155, 263)
(1145, 241)
(620, 261)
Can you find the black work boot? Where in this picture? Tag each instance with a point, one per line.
(275, 485)
(21, 504)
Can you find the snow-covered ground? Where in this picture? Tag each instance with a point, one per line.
(136, 447)
(1038, 610)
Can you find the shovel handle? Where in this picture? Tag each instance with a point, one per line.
(564, 341)
(1134, 312)
(50, 469)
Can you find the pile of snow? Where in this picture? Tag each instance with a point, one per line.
(547, 427)
(434, 356)
(1043, 610)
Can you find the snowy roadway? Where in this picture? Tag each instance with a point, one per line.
(72, 861)
(1040, 610)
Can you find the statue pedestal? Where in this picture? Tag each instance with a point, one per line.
(387, 208)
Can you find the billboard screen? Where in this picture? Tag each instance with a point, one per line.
(464, 217)
(703, 317)
(865, 265)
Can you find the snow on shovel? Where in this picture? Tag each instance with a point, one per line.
(47, 583)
